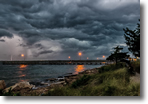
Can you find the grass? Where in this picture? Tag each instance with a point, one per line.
(81, 82)
(136, 66)
(114, 81)
(111, 67)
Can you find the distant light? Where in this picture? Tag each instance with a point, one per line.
(103, 56)
(87, 57)
(97, 58)
(22, 55)
(80, 53)
(69, 57)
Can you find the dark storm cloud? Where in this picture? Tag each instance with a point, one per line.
(80, 25)
(39, 46)
(42, 52)
(4, 33)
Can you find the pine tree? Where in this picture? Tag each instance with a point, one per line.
(117, 55)
(132, 38)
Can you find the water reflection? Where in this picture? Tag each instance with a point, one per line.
(23, 75)
(79, 68)
(21, 72)
(22, 66)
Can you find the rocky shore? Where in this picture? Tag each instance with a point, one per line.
(40, 88)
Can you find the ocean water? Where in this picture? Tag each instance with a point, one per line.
(33, 73)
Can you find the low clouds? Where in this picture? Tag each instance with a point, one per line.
(45, 52)
(2, 40)
(90, 26)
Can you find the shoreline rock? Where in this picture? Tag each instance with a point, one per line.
(19, 86)
(2, 84)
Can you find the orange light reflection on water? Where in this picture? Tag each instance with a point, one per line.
(20, 72)
(79, 68)
(23, 75)
(22, 66)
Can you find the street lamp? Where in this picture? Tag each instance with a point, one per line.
(23, 56)
(103, 56)
(69, 57)
(80, 55)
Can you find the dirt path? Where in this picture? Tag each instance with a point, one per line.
(135, 78)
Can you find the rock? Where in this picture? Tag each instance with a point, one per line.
(60, 79)
(20, 86)
(36, 83)
(52, 79)
(61, 82)
(58, 84)
(60, 76)
(2, 84)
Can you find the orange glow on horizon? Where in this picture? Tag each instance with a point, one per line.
(69, 57)
(87, 57)
(97, 58)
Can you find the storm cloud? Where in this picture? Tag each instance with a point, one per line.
(66, 27)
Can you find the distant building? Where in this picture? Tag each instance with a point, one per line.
(132, 59)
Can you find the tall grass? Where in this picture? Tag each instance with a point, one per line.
(111, 67)
(110, 83)
(136, 66)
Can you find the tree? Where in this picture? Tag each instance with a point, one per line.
(132, 38)
(117, 55)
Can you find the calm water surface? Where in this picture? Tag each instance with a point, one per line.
(16, 73)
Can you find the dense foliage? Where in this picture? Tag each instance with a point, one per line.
(132, 38)
(117, 55)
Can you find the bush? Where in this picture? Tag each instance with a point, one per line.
(111, 67)
(9, 93)
(80, 82)
(109, 91)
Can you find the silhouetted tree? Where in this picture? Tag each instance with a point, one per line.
(132, 38)
(117, 55)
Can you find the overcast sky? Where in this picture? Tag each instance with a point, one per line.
(56, 29)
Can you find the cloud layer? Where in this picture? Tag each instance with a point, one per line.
(68, 26)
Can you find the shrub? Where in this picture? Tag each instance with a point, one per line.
(111, 67)
(109, 90)
(9, 93)
(80, 82)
